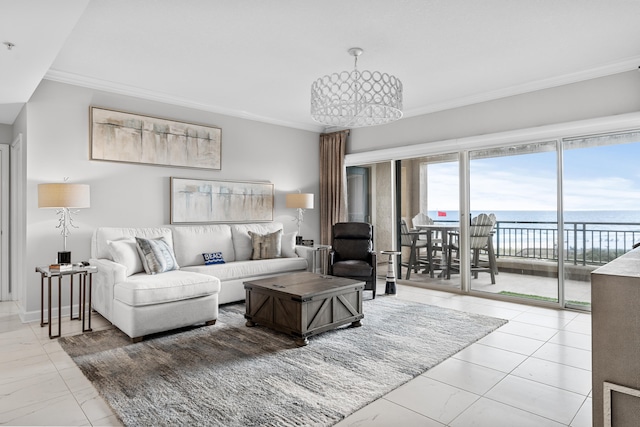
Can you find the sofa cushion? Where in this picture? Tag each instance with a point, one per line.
(100, 248)
(156, 255)
(266, 246)
(248, 269)
(190, 242)
(125, 252)
(242, 240)
(177, 285)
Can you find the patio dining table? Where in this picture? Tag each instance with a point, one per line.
(444, 230)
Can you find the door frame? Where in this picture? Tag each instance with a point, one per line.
(5, 233)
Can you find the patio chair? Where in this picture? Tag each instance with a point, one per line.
(480, 240)
(410, 239)
(436, 239)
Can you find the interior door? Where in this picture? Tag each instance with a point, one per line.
(5, 290)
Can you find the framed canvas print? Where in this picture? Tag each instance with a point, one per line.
(207, 201)
(126, 137)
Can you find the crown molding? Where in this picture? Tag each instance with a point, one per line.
(592, 73)
(107, 86)
(617, 123)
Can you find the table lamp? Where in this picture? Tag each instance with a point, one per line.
(300, 201)
(64, 197)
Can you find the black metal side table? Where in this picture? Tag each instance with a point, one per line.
(85, 315)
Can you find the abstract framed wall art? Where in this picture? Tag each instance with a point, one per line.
(125, 137)
(207, 201)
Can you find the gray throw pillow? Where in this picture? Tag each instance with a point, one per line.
(157, 255)
(266, 246)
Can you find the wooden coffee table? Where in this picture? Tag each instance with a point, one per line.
(303, 304)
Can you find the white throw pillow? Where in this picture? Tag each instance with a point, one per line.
(125, 252)
(289, 245)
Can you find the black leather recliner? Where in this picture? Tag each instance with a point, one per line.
(352, 254)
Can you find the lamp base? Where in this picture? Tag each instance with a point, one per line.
(64, 257)
(298, 240)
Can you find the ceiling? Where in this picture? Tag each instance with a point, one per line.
(257, 59)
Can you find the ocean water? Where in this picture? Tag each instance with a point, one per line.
(617, 230)
(627, 217)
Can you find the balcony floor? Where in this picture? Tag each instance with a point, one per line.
(525, 284)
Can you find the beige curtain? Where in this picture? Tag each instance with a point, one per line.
(333, 187)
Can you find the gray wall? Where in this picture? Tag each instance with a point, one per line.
(605, 96)
(383, 206)
(6, 133)
(135, 195)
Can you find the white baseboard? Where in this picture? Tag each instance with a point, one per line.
(34, 315)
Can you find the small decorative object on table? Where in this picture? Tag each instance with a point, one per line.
(390, 288)
(307, 242)
(58, 268)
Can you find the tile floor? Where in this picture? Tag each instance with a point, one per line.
(533, 371)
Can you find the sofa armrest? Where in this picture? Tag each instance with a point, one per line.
(303, 251)
(109, 273)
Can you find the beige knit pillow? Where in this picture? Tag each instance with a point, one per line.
(266, 246)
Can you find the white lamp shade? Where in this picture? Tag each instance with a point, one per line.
(300, 200)
(64, 196)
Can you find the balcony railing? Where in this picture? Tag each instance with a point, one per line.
(585, 243)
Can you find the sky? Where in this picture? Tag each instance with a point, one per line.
(596, 178)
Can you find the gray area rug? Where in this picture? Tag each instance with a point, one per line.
(231, 375)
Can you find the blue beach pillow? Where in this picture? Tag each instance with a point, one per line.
(213, 258)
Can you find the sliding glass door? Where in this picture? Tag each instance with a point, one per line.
(430, 197)
(541, 215)
(513, 232)
(601, 206)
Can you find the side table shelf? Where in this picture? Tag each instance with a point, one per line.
(316, 254)
(84, 314)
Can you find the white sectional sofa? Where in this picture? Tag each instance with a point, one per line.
(141, 304)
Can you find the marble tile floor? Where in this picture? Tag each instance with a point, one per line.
(535, 370)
